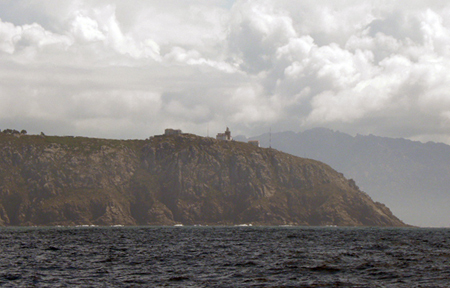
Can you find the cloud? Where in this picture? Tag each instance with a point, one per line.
(86, 29)
(256, 31)
(30, 40)
(119, 69)
(248, 107)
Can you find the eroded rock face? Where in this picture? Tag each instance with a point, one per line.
(172, 179)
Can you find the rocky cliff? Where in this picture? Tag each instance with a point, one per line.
(172, 179)
(410, 177)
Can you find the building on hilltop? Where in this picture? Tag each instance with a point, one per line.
(224, 136)
(170, 131)
(254, 142)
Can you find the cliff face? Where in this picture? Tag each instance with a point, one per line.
(172, 179)
(409, 176)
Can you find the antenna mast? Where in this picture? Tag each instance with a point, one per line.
(270, 137)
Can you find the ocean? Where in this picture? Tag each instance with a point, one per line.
(224, 257)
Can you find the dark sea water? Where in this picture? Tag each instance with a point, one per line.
(224, 257)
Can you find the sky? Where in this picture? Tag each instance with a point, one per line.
(130, 69)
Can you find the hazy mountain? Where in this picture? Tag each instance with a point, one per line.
(172, 179)
(412, 178)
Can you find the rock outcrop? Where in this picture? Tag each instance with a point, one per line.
(172, 179)
(410, 177)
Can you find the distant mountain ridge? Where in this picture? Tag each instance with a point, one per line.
(411, 177)
(165, 180)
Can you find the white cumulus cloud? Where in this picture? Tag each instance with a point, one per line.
(119, 69)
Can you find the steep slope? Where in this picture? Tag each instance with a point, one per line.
(411, 177)
(172, 179)
(65, 180)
